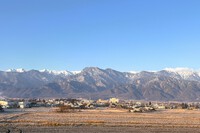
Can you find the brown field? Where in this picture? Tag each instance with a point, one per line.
(105, 120)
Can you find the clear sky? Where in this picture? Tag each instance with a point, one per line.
(121, 34)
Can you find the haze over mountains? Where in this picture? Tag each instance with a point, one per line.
(179, 84)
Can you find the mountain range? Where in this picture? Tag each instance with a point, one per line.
(171, 84)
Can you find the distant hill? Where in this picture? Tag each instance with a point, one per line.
(94, 83)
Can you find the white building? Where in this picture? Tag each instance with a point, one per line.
(24, 104)
(7, 103)
(114, 100)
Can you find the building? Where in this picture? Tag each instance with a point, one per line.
(102, 101)
(7, 104)
(114, 100)
(24, 105)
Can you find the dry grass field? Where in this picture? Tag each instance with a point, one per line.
(105, 120)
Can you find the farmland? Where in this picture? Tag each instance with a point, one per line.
(99, 120)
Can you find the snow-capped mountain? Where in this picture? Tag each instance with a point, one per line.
(19, 70)
(181, 84)
(63, 73)
(54, 72)
(75, 72)
(185, 73)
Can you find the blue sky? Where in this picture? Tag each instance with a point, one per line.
(121, 34)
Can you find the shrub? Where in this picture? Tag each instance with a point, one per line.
(64, 108)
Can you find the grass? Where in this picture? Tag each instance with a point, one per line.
(171, 120)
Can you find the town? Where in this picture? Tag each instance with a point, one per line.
(80, 103)
(80, 115)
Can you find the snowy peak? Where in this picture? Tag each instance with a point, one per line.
(133, 72)
(180, 70)
(19, 70)
(178, 73)
(54, 72)
(170, 84)
(184, 72)
(75, 72)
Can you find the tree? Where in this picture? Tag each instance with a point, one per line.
(184, 105)
(1, 108)
(64, 108)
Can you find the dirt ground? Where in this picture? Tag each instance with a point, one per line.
(102, 120)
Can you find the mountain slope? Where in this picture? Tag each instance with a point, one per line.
(93, 82)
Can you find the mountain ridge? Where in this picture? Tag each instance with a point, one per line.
(93, 82)
(182, 71)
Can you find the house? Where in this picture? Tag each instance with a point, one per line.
(3, 103)
(114, 100)
(157, 106)
(100, 101)
(7, 104)
(24, 104)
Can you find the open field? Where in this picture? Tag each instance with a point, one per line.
(100, 120)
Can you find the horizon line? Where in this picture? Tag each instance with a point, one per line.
(131, 71)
